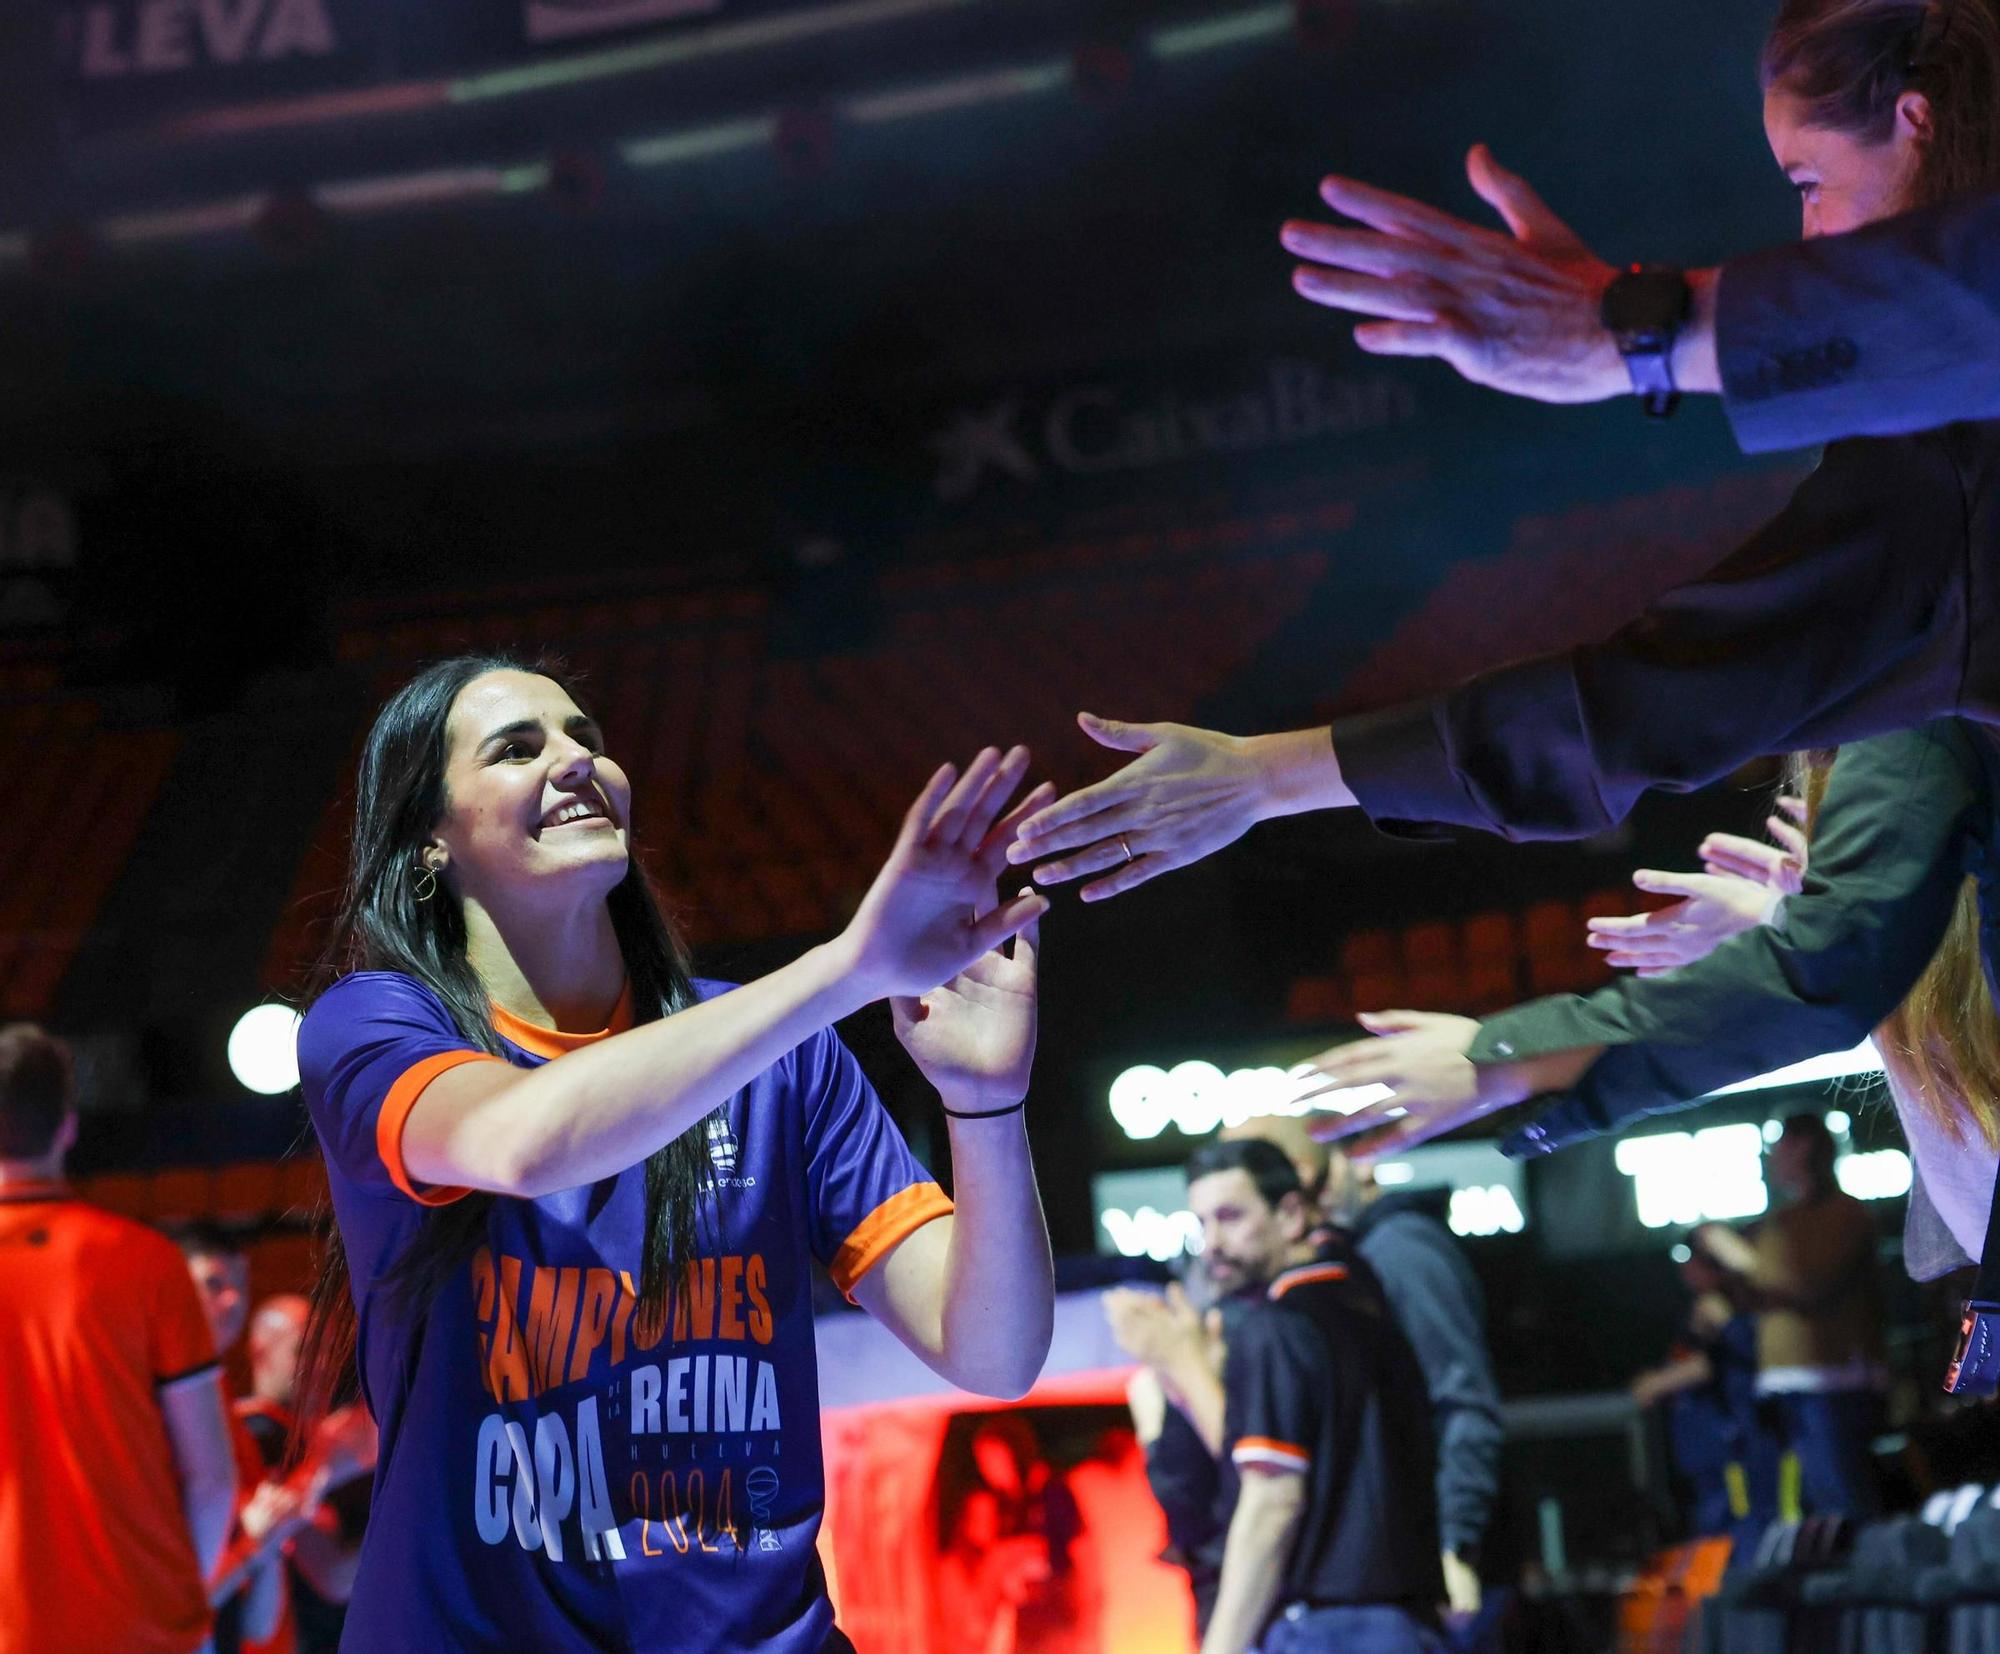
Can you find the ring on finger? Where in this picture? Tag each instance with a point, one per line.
(1126, 848)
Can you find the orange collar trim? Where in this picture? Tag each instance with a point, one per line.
(553, 1042)
(1305, 1275)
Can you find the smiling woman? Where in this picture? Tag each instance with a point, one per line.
(582, 1193)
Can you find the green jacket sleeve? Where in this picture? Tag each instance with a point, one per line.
(1900, 817)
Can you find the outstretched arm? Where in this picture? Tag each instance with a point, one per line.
(1888, 863)
(488, 1125)
(1889, 329)
(1851, 612)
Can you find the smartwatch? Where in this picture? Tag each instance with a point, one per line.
(1643, 310)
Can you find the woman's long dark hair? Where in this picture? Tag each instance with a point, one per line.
(1849, 61)
(384, 926)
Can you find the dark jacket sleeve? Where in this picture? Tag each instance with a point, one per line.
(1848, 614)
(1895, 831)
(1435, 1299)
(1185, 1480)
(1893, 328)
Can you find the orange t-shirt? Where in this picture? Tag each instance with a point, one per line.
(97, 1315)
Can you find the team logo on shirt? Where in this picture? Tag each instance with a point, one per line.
(723, 1154)
(722, 1146)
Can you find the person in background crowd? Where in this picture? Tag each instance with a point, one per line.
(1706, 1391)
(220, 1270)
(535, 1118)
(1022, 1571)
(1308, 1155)
(1808, 1271)
(277, 1330)
(117, 1484)
(1332, 1543)
(324, 1550)
(1436, 1300)
(255, 1616)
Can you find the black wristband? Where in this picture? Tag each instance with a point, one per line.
(988, 1113)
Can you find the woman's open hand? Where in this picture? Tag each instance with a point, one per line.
(930, 914)
(974, 1037)
(1740, 887)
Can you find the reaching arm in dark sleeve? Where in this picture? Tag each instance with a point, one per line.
(1435, 1299)
(1893, 328)
(1888, 857)
(1846, 615)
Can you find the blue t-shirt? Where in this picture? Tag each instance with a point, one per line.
(549, 1478)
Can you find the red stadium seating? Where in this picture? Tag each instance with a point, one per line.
(55, 883)
(769, 785)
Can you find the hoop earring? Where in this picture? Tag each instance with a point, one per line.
(427, 885)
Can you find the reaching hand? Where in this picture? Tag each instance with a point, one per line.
(1740, 890)
(1432, 1086)
(1518, 312)
(1712, 908)
(1781, 866)
(926, 917)
(1188, 793)
(974, 1037)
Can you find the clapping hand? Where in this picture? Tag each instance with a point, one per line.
(1163, 1331)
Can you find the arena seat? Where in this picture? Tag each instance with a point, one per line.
(56, 884)
(769, 783)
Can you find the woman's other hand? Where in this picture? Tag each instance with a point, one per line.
(930, 914)
(974, 1037)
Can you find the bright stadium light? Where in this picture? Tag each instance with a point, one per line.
(264, 1049)
(1681, 1177)
(1880, 1174)
(1862, 1061)
(1197, 1097)
(1150, 1233)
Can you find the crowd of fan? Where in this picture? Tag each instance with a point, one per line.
(203, 1520)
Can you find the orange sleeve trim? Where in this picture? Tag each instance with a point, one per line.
(395, 1115)
(1306, 1275)
(883, 1229)
(1267, 1450)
